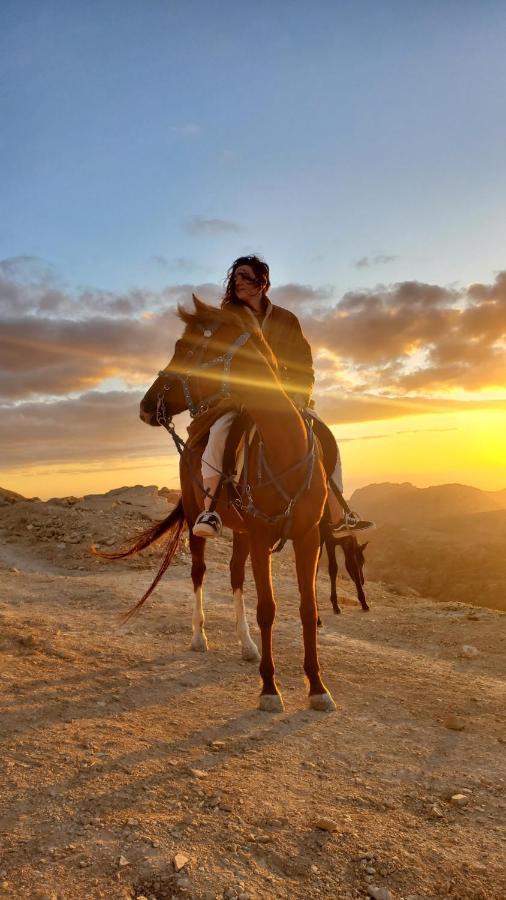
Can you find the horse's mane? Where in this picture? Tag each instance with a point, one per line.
(205, 314)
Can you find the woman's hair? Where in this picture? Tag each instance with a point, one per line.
(261, 272)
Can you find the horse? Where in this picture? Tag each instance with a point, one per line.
(354, 560)
(222, 362)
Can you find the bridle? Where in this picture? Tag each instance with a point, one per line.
(265, 477)
(196, 408)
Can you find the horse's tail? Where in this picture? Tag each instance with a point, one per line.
(173, 524)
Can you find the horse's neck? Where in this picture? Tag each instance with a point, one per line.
(281, 430)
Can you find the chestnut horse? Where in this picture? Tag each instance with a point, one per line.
(222, 363)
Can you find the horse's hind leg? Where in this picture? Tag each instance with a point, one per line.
(331, 553)
(354, 571)
(199, 638)
(306, 560)
(240, 554)
(270, 698)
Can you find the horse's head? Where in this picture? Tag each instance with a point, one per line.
(219, 353)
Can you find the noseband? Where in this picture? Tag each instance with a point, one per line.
(196, 408)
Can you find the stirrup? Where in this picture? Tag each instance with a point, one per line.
(351, 524)
(207, 524)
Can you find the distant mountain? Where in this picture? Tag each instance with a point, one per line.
(405, 503)
(8, 497)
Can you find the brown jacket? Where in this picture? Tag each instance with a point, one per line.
(281, 329)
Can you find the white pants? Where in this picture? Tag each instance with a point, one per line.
(212, 458)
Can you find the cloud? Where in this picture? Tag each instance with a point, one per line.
(393, 343)
(413, 336)
(366, 262)
(198, 226)
(296, 296)
(94, 427)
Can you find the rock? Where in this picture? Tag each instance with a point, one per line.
(326, 824)
(371, 870)
(459, 800)
(454, 723)
(198, 773)
(469, 652)
(61, 546)
(132, 822)
(180, 861)
(437, 811)
(379, 893)
(123, 861)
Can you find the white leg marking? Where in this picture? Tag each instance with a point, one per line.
(322, 702)
(199, 639)
(271, 703)
(249, 648)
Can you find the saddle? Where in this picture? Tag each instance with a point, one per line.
(198, 435)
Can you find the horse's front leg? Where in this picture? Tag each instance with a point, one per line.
(270, 698)
(240, 554)
(199, 638)
(306, 560)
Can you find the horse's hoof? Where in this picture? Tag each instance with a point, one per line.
(199, 643)
(271, 703)
(250, 653)
(366, 608)
(337, 610)
(319, 622)
(322, 702)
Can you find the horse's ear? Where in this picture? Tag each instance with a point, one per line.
(363, 546)
(199, 305)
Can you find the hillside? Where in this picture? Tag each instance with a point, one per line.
(405, 503)
(435, 547)
(133, 768)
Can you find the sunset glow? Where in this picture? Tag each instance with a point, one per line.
(124, 196)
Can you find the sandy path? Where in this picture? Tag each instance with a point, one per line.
(122, 749)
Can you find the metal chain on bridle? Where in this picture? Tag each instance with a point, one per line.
(244, 500)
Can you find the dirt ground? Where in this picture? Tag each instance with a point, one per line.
(133, 767)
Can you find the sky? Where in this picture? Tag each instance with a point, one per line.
(358, 147)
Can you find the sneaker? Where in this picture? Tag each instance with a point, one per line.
(207, 525)
(350, 525)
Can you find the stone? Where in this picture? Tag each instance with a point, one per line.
(469, 652)
(198, 773)
(123, 861)
(437, 811)
(180, 861)
(326, 824)
(454, 723)
(379, 893)
(459, 799)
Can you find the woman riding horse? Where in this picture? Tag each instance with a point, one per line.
(246, 292)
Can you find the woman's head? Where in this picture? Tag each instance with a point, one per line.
(246, 278)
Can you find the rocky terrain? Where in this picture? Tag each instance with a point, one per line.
(134, 768)
(445, 542)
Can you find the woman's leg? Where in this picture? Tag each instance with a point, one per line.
(208, 524)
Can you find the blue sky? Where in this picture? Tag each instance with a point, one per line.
(319, 133)
(359, 147)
